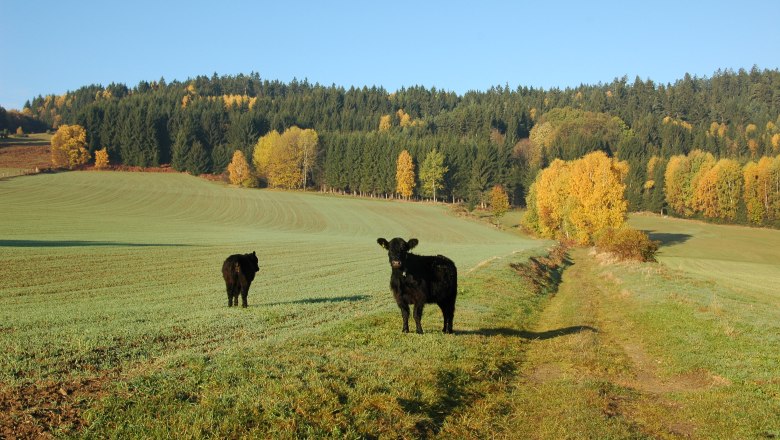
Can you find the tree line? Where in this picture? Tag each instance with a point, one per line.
(501, 136)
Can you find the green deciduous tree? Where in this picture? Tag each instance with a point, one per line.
(432, 173)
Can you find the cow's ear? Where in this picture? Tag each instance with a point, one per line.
(382, 242)
(412, 243)
(253, 253)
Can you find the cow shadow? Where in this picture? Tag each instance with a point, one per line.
(525, 334)
(668, 239)
(79, 243)
(336, 299)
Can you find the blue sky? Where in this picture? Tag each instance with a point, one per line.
(55, 46)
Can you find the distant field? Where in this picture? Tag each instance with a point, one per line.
(21, 155)
(742, 258)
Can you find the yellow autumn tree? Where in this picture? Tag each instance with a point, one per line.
(68, 147)
(577, 200)
(404, 175)
(675, 179)
(762, 189)
(239, 172)
(682, 179)
(405, 120)
(773, 200)
(101, 159)
(752, 195)
(700, 164)
(652, 163)
(283, 167)
(499, 202)
(718, 190)
(264, 148)
(285, 160)
(385, 122)
(596, 194)
(308, 143)
(547, 201)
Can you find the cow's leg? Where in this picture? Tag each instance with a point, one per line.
(405, 315)
(244, 293)
(418, 309)
(448, 312)
(230, 295)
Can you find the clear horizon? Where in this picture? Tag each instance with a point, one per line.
(51, 48)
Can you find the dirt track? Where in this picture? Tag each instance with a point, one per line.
(584, 340)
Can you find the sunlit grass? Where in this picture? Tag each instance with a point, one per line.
(115, 278)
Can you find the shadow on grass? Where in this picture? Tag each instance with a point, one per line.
(336, 299)
(668, 239)
(79, 243)
(525, 334)
(452, 394)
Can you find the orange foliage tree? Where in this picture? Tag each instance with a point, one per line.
(239, 172)
(404, 175)
(576, 200)
(718, 190)
(385, 122)
(68, 147)
(499, 202)
(101, 159)
(682, 179)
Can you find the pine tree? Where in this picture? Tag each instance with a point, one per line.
(198, 160)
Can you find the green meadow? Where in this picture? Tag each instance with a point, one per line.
(114, 322)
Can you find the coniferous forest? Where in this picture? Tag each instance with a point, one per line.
(682, 141)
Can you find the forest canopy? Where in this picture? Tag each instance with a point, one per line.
(502, 136)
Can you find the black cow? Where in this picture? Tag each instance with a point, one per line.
(420, 280)
(238, 271)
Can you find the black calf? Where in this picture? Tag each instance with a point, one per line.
(419, 280)
(239, 271)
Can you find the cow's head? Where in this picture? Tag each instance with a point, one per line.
(397, 250)
(253, 260)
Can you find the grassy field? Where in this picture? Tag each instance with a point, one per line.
(112, 280)
(114, 322)
(738, 257)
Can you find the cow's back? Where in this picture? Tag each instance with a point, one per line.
(445, 277)
(230, 268)
(436, 276)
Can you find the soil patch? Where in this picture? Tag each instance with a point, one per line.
(25, 156)
(46, 409)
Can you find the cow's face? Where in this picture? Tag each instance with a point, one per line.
(253, 260)
(397, 250)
